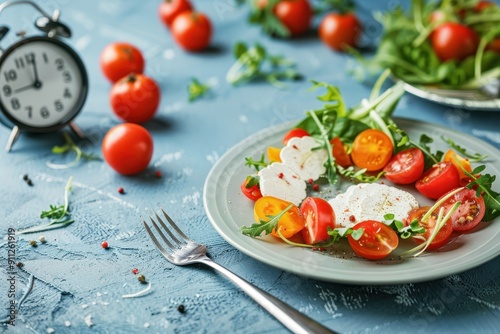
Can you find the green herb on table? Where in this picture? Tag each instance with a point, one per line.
(197, 90)
(70, 146)
(254, 63)
(59, 215)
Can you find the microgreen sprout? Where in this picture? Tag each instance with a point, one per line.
(196, 89)
(69, 146)
(58, 214)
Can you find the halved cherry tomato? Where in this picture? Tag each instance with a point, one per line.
(318, 215)
(296, 132)
(339, 152)
(454, 41)
(289, 224)
(371, 149)
(250, 191)
(459, 162)
(378, 240)
(405, 167)
(438, 180)
(273, 154)
(443, 235)
(470, 212)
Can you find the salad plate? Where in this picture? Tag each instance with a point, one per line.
(473, 99)
(228, 210)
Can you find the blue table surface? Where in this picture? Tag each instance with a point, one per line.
(75, 280)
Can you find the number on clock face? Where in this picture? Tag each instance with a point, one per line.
(40, 84)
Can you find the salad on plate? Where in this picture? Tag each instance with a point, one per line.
(365, 147)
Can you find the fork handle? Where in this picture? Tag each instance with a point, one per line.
(292, 319)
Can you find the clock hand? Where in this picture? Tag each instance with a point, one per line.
(25, 88)
(37, 83)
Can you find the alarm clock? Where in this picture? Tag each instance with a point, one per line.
(43, 81)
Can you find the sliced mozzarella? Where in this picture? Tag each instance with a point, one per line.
(281, 181)
(371, 201)
(304, 157)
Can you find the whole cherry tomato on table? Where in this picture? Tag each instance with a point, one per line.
(378, 240)
(438, 180)
(319, 216)
(454, 41)
(339, 31)
(169, 9)
(295, 15)
(192, 30)
(443, 235)
(371, 149)
(128, 148)
(135, 98)
(405, 167)
(120, 59)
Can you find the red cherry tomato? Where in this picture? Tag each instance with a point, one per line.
(296, 132)
(339, 152)
(443, 235)
(470, 212)
(135, 98)
(494, 45)
(371, 149)
(318, 215)
(192, 31)
(120, 59)
(454, 41)
(295, 15)
(339, 31)
(169, 9)
(252, 192)
(482, 5)
(378, 240)
(405, 167)
(438, 180)
(128, 148)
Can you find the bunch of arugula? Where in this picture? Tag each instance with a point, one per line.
(405, 46)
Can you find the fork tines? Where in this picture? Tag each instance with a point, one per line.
(173, 241)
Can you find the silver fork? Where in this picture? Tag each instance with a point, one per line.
(178, 249)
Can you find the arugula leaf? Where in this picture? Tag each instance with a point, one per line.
(197, 90)
(252, 180)
(476, 157)
(266, 226)
(484, 184)
(259, 164)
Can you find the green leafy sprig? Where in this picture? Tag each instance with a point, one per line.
(257, 164)
(403, 231)
(197, 90)
(267, 20)
(59, 215)
(251, 65)
(484, 183)
(476, 157)
(70, 146)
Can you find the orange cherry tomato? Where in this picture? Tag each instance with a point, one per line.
(459, 162)
(289, 224)
(371, 149)
(339, 152)
(273, 154)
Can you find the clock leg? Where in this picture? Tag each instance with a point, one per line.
(12, 138)
(76, 130)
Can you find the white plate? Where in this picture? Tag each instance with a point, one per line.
(465, 99)
(228, 209)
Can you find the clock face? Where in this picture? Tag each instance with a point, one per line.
(43, 83)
